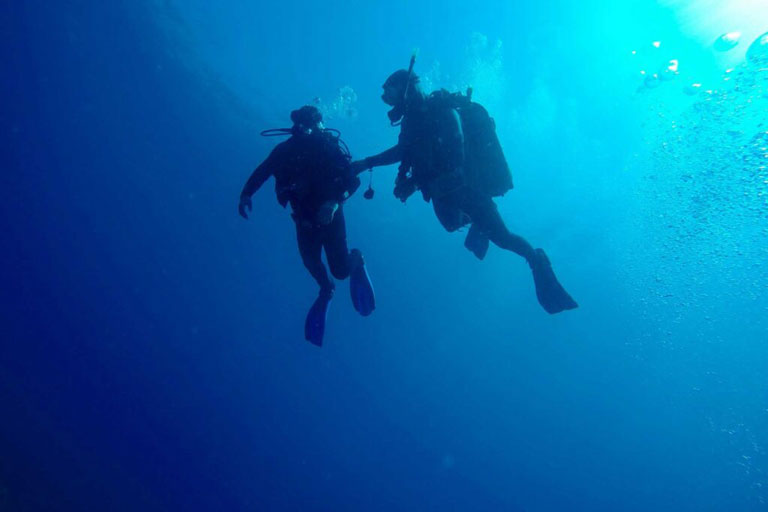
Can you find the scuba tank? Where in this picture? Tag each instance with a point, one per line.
(485, 164)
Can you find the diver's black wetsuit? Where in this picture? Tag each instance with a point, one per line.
(311, 171)
(431, 147)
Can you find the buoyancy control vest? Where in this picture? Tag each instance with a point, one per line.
(315, 168)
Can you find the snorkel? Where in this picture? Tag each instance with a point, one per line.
(398, 111)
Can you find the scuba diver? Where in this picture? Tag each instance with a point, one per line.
(313, 173)
(448, 149)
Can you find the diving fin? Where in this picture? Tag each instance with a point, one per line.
(551, 294)
(314, 326)
(360, 287)
(477, 242)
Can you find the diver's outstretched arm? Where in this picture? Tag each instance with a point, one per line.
(388, 157)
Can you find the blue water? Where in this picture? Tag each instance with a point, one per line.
(152, 353)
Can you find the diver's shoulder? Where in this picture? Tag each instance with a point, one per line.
(284, 147)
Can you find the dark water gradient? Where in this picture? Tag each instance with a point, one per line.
(151, 356)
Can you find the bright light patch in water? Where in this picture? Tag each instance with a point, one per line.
(673, 65)
(710, 20)
(669, 71)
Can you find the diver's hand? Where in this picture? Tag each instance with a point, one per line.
(326, 212)
(359, 166)
(404, 188)
(245, 202)
(352, 185)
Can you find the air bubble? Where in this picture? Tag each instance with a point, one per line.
(727, 41)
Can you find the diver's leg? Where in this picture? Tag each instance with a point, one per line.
(485, 215)
(448, 212)
(476, 241)
(310, 244)
(335, 243)
(550, 293)
(345, 263)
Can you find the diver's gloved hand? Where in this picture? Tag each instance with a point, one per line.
(326, 212)
(245, 202)
(359, 166)
(352, 186)
(404, 188)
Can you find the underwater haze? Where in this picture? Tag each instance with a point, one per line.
(152, 354)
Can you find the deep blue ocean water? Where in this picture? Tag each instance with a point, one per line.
(152, 353)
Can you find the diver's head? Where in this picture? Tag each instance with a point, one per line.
(306, 120)
(395, 87)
